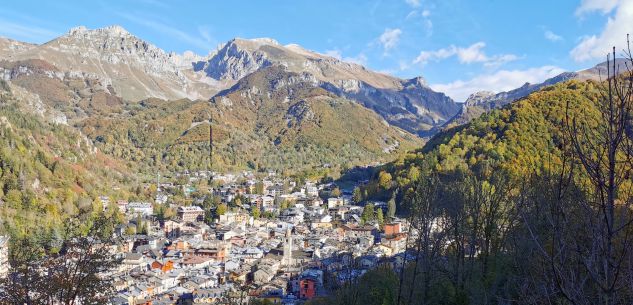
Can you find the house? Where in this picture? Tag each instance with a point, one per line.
(216, 250)
(351, 231)
(393, 228)
(142, 208)
(172, 228)
(122, 204)
(233, 217)
(323, 222)
(196, 262)
(335, 202)
(263, 275)
(396, 242)
(310, 201)
(134, 260)
(208, 296)
(311, 190)
(271, 294)
(307, 287)
(263, 202)
(293, 215)
(163, 267)
(190, 213)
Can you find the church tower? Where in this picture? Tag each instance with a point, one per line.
(287, 259)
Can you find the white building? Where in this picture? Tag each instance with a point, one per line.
(4, 256)
(143, 208)
(335, 202)
(311, 190)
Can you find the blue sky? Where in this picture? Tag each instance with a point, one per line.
(459, 46)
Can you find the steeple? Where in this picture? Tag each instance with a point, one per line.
(287, 259)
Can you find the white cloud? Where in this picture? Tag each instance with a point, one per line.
(499, 60)
(502, 80)
(360, 59)
(413, 3)
(471, 54)
(425, 19)
(28, 33)
(604, 6)
(389, 38)
(613, 34)
(551, 36)
(205, 33)
(201, 41)
(334, 53)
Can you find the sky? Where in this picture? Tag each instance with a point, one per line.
(458, 46)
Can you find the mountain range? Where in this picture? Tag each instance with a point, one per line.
(484, 101)
(269, 103)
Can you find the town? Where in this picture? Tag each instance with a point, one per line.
(264, 239)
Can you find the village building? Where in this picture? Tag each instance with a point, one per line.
(190, 213)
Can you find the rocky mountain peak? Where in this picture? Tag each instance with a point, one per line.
(236, 59)
(479, 98)
(114, 44)
(109, 31)
(419, 82)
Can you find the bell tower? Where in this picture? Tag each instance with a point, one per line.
(287, 259)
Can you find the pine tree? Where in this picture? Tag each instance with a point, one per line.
(368, 213)
(357, 197)
(380, 218)
(391, 208)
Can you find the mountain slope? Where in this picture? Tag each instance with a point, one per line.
(520, 138)
(271, 119)
(48, 171)
(409, 104)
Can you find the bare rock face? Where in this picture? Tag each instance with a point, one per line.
(297, 113)
(135, 68)
(479, 98)
(234, 62)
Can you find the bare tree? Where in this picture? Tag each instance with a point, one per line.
(76, 274)
(605, 155)
(428, 244)
(579, 216)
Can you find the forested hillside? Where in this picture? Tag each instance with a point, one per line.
(522, 138)
(49, 172)
(270, 120)
(530, 202)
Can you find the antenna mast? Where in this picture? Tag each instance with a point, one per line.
(210, 148)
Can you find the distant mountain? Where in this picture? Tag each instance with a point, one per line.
(482, 102)
(409, 104)
(136, 70)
